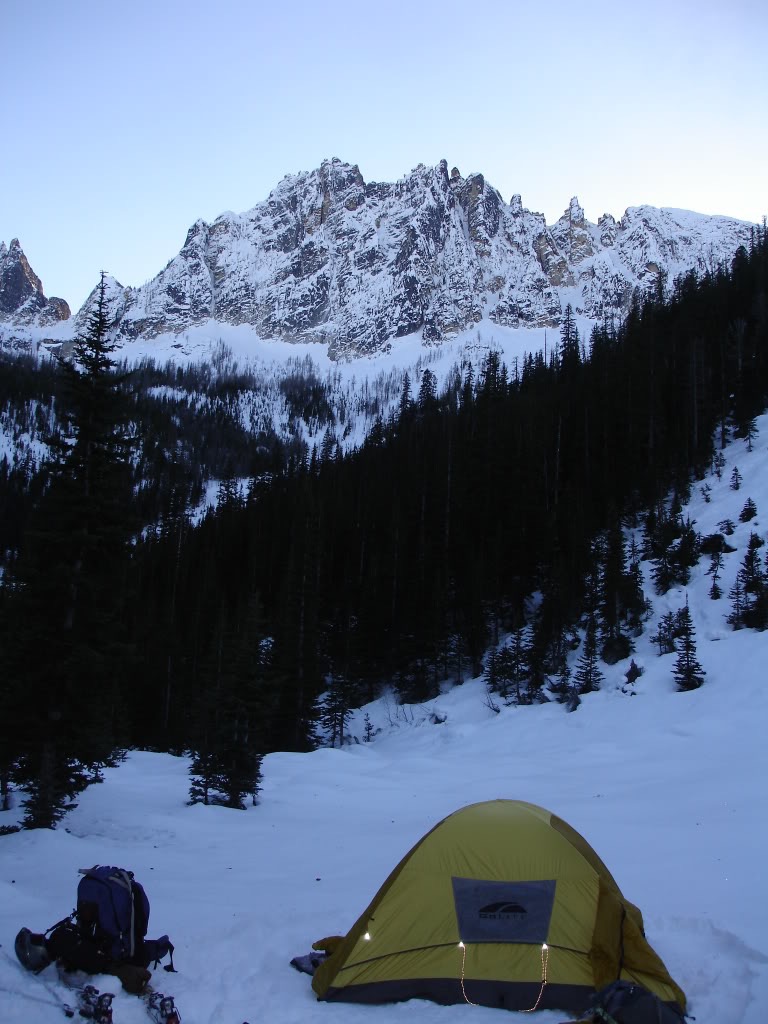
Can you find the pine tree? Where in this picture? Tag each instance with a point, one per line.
(570, 356)
(491, 673)
(334, 710)
(622, 601)
(688, 673)
(664, 637)
(738, 604)
(752, 581)
(714, 570)
(748, 512)
(564, 689)
(687, 551)
(636, 607)
(406, 401)
(468, 387)
(427, 390)
(228, 720)
(67, 649)
(588, 676)
(519, 667)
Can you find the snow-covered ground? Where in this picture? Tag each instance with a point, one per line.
(669, 788)
(230, 349)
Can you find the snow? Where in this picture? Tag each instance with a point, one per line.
(668, 787)
(326, 259)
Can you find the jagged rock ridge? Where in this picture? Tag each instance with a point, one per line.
(330, 258)
(22, 299)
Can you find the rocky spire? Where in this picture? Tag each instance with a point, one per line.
(21, 291)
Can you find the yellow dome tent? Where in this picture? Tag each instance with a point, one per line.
(500, 904)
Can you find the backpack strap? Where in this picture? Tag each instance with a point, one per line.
(155, 949)
(168, 967)
(69, 918)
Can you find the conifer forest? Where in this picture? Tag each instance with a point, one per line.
(478, 530)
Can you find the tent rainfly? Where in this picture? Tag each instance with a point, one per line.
(501, 904)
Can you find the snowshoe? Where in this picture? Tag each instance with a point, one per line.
(31, 951)
(162, 1009)
(94, 1005)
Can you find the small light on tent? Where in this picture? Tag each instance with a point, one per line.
(461, 944)
(367, 936)
(544, 946)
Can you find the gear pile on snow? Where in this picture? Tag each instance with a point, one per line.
(104, 934)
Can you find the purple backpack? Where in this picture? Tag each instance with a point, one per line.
(113, 910)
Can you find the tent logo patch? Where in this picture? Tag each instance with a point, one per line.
(498, 911)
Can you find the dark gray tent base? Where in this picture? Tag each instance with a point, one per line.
(520, 995)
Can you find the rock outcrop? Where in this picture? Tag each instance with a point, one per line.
(330, 258)
(22, 299)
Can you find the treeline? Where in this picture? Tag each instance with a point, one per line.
(403, 562)
(492, 508)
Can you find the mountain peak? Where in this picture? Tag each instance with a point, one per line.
(331, 259)
(575, 212)
(21, 292)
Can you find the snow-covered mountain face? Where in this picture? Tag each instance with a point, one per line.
(22, 300)
(328, 258)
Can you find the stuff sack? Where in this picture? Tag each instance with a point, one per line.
(623, 1002)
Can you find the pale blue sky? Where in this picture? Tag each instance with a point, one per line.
(122, 123)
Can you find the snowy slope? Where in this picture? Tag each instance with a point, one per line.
(668, 787)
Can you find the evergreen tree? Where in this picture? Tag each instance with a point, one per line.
(493, 377)
(688, 673)
(228, 720)
(427, 390)
(334, 710)
(612, 583)
(564, 689)
(570, 356)
(748, 512)
(518, 667)
(406, 401)
(738, 604)
(468, 387)
(66, 643)
(368, 729)
(751, 579)
(671, 627)
(687, 552)
(749, 429)
(491, 675)
(714, 570)
(588, 676)
(507, 670)
(636, 607)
